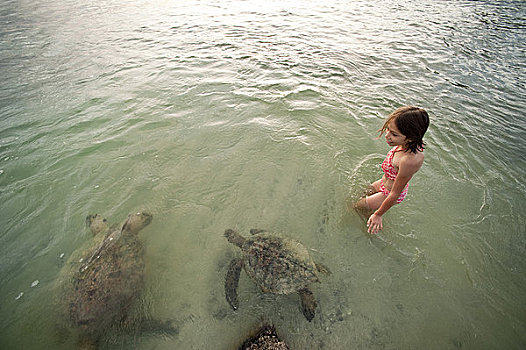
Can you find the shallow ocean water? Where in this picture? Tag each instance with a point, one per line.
(248, 114)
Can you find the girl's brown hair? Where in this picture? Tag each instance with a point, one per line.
(412, 123)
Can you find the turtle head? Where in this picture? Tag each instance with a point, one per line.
(96, 223)
(136, 222)
(234, 237)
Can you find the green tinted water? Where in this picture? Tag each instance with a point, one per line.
(248, 114)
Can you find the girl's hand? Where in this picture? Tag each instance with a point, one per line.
(374, 224)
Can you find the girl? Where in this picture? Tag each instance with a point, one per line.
(404, 130)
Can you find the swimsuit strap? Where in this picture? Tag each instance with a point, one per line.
(387, 165)
(393, 151)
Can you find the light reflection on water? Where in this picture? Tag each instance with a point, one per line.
(248, 114)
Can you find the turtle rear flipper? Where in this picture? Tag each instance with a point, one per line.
(256, 231)
(322, 268)
(232, 281)
(158, 327)
(308, 303)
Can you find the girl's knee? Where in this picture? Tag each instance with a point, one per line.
(361, 208)
(376, 186)
(370, 190)
(373, 188)
(360, 204)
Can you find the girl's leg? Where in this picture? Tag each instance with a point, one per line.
(375, 201)
(373, 188)
(362, 204)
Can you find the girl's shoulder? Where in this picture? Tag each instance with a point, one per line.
(412, 159)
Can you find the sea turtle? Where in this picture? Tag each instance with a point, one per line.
(277, 264)
(100, 283)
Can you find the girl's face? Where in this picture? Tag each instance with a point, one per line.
(393, 136)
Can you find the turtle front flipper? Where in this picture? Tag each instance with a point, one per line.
(256, 231)
(231, 282)
(136, 222)
(97, 224)
(308, 303)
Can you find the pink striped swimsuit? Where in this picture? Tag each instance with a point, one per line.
(390, 172)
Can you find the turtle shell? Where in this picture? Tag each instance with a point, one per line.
(278, 265)
(102, 279)
(103, 290)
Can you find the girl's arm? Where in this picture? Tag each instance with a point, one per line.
(374, 223)
(406, 171)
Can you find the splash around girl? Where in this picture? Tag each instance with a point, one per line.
(404, 131)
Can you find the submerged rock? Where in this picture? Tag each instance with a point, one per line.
(265, 339)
